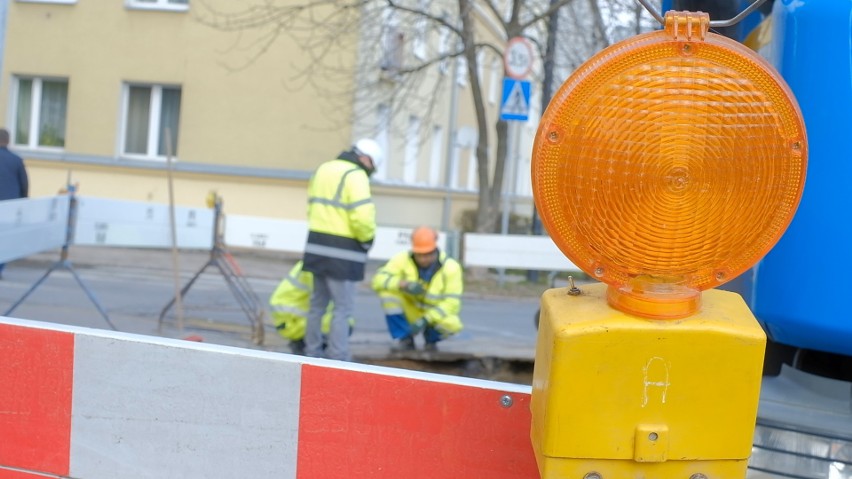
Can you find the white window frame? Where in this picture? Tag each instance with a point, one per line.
(495, 81)
(35, 112)
(461, 72)
(472, 179)
(154, 111)
(157, 5)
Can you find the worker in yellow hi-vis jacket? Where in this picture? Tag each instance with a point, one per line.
(289, 305)
(421, 291)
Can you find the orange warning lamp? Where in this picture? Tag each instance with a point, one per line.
(669, 164)
(666, 165)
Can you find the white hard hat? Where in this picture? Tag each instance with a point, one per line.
(369, 147)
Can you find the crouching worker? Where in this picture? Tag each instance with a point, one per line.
(289, 306)
(420, 291)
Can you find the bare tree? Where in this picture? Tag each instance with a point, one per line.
(412, 73)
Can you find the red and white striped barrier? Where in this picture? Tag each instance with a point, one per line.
(92, 404)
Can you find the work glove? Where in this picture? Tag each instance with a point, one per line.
(418, 326)
(413, 287)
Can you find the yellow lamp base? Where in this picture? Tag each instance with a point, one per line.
(617, 396)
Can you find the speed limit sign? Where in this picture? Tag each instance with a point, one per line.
(518, 58)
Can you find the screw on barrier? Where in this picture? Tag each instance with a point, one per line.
(506, 401)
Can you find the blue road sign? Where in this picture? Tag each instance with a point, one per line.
(515, 104)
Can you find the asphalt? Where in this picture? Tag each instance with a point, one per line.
(498, 343)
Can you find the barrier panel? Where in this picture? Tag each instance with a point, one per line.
(290, 235)
(514, 251)
(29, 226)
(109, 222)
(98, 404)
(120, 223)
(69, 220)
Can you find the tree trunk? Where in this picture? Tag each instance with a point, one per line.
(489, 190)
(488, 215)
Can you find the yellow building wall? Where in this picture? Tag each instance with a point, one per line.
(237, 112)
(245, 116)
(247, 195)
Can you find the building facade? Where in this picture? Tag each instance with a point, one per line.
(116, 95)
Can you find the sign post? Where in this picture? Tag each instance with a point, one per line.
(514, 107)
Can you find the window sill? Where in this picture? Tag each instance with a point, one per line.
(159, 159)
(45, 149)
(63, 2)
(157, 7)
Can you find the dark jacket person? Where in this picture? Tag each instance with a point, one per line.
(14, 183)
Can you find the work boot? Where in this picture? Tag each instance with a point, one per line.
(431, 347)
(403, 344)
(298, 347)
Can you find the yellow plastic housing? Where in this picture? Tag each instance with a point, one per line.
(669, 164)
(630, 397)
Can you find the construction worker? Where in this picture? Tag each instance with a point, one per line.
(420, 291)
(341, 227)
(289, 306)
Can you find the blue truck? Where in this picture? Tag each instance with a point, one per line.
(799, 291)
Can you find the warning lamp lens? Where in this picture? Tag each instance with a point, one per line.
(668, 164)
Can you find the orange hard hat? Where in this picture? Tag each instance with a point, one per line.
(424, 240)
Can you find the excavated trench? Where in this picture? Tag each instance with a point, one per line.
(489, 368)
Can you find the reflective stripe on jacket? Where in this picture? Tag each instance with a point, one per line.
(441, 302)
(341, 219)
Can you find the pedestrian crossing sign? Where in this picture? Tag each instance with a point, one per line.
(516, 100)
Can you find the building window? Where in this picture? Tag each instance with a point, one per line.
(392, 43)
(159, 4)
(420, 31)
(382, 137)
(392, 49)
(41, 106)
(149, 112)
(412, 150)
(437, 156)
(444, 51)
